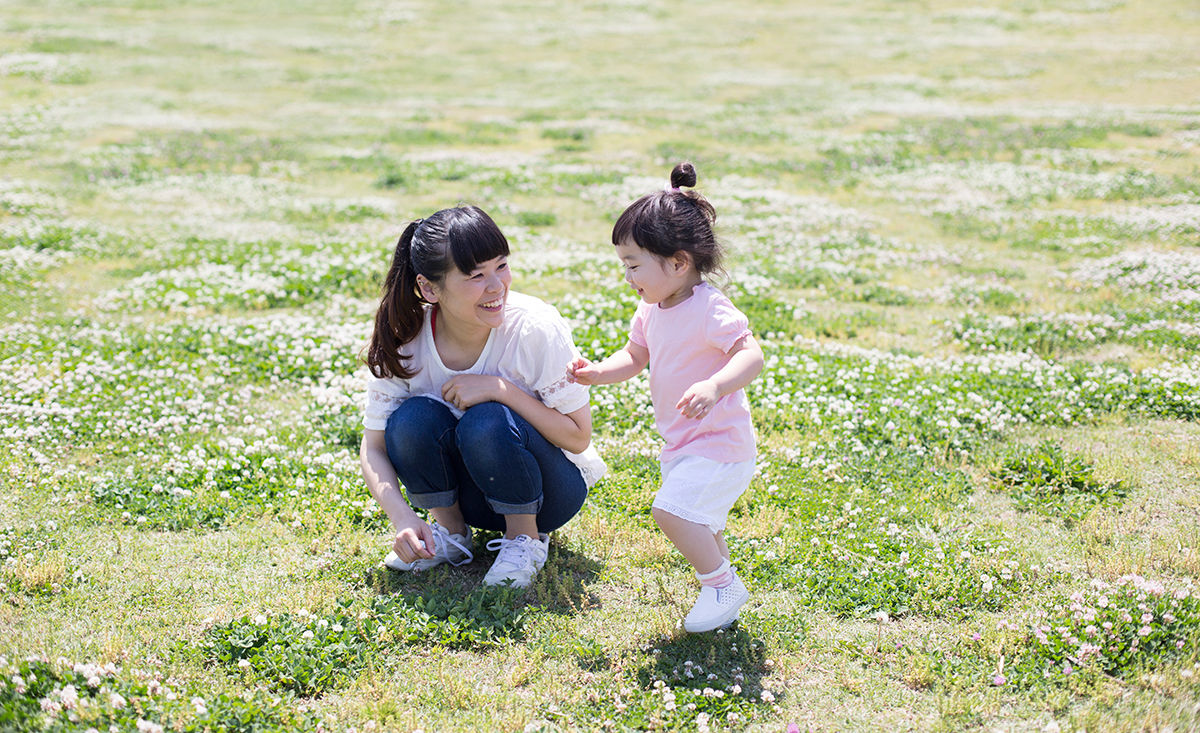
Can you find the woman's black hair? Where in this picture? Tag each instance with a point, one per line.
(461, 237)
(667, 222)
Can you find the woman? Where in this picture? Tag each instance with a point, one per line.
(468, 404)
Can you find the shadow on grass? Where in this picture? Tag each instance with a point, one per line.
(560, 588)
(717, 659)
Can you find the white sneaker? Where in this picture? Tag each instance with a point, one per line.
(452, 548)
(518, 561)
(716, 608)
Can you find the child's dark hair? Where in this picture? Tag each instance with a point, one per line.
(674, 220)
(461, 237)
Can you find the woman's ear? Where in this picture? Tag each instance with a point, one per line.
(428, 292)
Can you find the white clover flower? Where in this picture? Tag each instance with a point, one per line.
(69, 697)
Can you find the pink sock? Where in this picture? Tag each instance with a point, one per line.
(719, 578)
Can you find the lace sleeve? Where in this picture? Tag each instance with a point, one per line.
(553, 390)
(546, 350)
(383, 397)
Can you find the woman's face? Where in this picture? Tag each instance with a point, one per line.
(472, 300)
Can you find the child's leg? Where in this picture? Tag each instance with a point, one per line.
(691, 507)
(720, 535)
(703, 549)
(722, 593)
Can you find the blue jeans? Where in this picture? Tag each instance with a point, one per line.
(491, 461)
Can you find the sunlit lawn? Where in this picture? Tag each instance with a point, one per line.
(968, 238)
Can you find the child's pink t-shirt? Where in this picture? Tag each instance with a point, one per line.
(689, 342)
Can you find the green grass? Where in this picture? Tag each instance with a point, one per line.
(967, 246)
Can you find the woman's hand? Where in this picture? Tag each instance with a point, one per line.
(468, 390)
(414, 541)
(582, 371)
(699, 399)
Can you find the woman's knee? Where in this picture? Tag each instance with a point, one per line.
(484, 426)
(415, 428)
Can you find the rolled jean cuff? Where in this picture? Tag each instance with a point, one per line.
(433, 499)
(531, 507)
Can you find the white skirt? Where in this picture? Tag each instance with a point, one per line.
(702, 491)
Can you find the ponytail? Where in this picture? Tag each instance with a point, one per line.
(400, 315)
(683, 175)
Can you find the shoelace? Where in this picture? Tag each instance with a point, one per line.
(441, 533)
(513, 551)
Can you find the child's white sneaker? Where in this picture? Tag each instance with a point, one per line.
(716, 607)
(452, 548)
(518, 560)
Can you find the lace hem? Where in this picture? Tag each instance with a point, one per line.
(689, 515)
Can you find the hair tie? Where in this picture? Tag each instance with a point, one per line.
(669, 188)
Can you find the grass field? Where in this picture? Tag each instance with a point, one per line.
(967, 236)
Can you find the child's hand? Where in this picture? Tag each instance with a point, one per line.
(582, 371)
(699, 399)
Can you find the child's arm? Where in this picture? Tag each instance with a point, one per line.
(745, 363)
(623, 365)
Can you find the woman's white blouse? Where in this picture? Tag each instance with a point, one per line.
(531, 350)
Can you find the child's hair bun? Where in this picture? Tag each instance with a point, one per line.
(683, 175)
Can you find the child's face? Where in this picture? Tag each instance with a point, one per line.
(658, 280)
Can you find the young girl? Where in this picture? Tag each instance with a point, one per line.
(467, 404)
(701, 355)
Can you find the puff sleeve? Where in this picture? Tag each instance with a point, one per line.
(383, 397)
(725, 325)
(546, 348)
